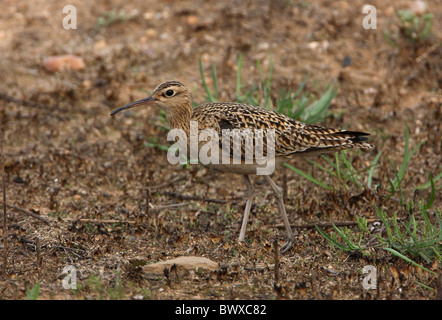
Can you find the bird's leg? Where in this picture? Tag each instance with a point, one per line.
(278, 192)
(250, 197)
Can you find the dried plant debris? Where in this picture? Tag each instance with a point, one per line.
(93, 201)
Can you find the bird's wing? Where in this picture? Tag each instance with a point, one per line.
(291, 136)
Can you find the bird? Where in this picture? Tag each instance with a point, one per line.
(288, 138)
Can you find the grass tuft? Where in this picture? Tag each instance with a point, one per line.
(413, 29)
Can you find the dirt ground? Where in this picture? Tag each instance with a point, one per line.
(101, 188)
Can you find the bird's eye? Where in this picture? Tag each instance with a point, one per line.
(169, 93)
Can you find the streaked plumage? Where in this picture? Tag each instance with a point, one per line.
(292, 138)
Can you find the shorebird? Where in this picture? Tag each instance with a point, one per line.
(291, 138)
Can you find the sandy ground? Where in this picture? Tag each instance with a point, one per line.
(91, 176)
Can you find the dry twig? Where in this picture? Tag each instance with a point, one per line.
(189, 197)
(36, 216)
(5, 219)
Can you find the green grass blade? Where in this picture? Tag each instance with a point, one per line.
(308, 177)
(326, 158)
(210, 97)
(407, 156)
(347, 240)
(424, 285)
(433, 193)
(33, 293)
(314, 163)
(397, 254)
(401, 173)
(396, 184)
(238, 77)
(338, 168)
(316, 111)
(372, 167)
(352, 174)
(215, 82)
(428, 184)
(301, 86)
(330, 239)
(301, 105)
(389, 40)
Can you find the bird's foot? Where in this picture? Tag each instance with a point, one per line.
(287, 246)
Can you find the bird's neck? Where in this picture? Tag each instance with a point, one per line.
(179, 117)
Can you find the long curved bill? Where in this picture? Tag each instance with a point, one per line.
(148, 100)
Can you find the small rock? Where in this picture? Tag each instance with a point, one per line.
(150, 32)
(149, 15)
(63, 62)
(263, 45)
(192, 20)
(370, 91)
(205, 57)
(346, 62)
(87, 84)
(100, 44)
(209, 38)
(184, 263)
(319, 46)
(107, 164)
(389, 11)
(418, 7)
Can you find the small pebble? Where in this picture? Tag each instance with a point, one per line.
(63, 62)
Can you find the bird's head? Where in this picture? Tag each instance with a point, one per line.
(169, 96)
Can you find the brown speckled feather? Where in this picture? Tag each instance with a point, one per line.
(291, 137)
